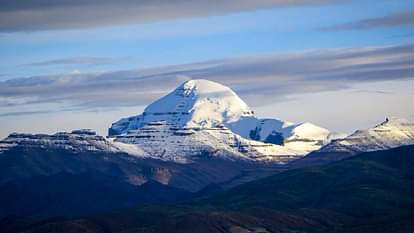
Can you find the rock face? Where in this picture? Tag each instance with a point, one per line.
(202, 116)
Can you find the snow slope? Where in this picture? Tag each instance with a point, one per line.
(393, 132)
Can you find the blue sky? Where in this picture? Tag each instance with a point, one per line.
(52, 46)
(201, 38)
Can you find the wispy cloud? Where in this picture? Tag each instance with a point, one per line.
(22, 113)
(33, 15)
(79, 61)
(260, 79)
(397, 19)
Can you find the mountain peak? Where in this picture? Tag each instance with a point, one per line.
(199, 103)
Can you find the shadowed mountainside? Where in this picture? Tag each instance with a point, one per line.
(55, 182)
(371, 192)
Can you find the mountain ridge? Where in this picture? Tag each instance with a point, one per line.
(391, 133)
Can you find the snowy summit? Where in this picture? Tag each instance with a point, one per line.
(194, 104)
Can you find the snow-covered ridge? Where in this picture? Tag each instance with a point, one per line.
(157, 141)
(391, 133)
(76, 141)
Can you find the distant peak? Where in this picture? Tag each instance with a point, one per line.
(392, 132)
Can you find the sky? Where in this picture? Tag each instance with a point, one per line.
(68, 64)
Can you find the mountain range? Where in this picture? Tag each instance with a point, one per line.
(200, 142)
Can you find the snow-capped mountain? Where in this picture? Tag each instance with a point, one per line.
(203, 116)
(194, 104)
(391, 133)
